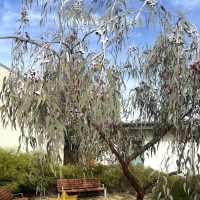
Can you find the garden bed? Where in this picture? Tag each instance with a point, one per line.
(117, 196)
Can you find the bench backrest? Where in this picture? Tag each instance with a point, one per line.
(5, 193)
(68, 184)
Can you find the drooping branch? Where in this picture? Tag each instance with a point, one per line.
(108, 142)
(29, 40)
(147, 146)
(147, 186)
(187, 138)
(82, 40)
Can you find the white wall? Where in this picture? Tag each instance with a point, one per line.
(163, 155)
(8, 137)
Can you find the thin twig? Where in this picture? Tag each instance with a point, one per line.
(29, 41)
(147, 146)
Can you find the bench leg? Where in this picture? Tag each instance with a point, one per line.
(105, 194)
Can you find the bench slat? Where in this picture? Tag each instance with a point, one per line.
(84, 190)
(80, 185)
(6, 194)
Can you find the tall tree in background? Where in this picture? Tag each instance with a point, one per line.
(73, 84)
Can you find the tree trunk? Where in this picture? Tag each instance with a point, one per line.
(140, 197)
(125, 168)
(70, 156)
(133, 181)
(70, 152)
(125, 163)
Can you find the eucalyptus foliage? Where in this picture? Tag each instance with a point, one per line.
(74, 82)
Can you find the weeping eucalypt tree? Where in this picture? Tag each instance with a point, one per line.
(68, 80)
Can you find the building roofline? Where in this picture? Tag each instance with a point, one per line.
(4, 66)
(139, 125)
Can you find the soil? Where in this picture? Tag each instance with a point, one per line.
(111, 197)
(120, 196)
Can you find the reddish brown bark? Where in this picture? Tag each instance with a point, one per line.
(147, 146)
(130, 177)
(125, 163)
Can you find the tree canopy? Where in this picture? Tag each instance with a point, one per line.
(70, 79)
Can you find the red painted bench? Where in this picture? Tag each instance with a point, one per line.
(6, 194)
(80, 185)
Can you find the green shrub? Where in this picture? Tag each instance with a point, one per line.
(71, 171)
(41, 176)
(30, 173)
(113, 177)
(175, 186)
(145, 175)
(14, 168)
(24, 171)
(109, 175)
(193, 186)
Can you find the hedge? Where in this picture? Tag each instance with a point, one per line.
(29, 173)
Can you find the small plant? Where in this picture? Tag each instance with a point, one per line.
(173, 187)
(42, 176)
(14, 168)
(30, 173)
(71, 171)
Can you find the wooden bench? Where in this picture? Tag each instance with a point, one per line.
(80, 185)
(6, 194)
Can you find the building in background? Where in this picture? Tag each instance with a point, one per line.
(8, 136)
